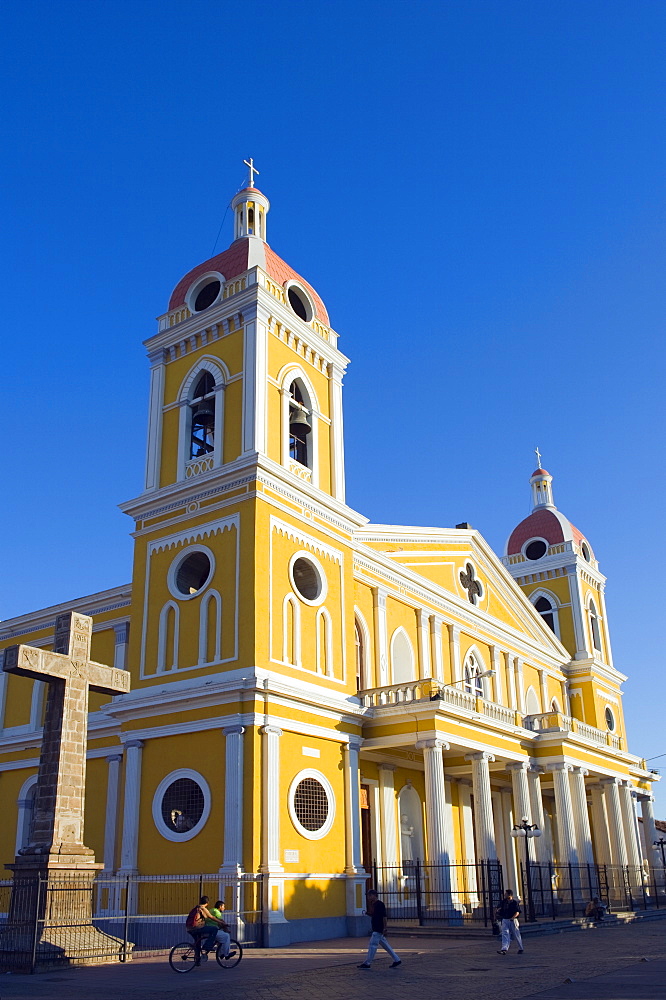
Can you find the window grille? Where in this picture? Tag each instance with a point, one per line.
(182, 805)
(311, 804)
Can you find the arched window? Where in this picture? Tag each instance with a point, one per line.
(594, 627)
(532, 706)
(26, 813)
(472, 683)
(291, 631)
(402, 657)
(300, 424)
(210, 628)
(202, 410)
(167, 641)
(545, 609)
(360, 655)
(324, 643)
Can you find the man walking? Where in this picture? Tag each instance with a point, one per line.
(507, 913)
(377, 914)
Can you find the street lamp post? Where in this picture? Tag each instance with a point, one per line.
(527, 830)
(660, 845)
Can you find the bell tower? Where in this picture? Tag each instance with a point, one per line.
(554, 564)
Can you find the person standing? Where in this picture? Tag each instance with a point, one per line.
(507, 913)
(377, 913)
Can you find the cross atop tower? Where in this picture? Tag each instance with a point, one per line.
(538, 455)
(253, 170)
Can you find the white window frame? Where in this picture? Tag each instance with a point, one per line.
(162, 828)
(310, 772)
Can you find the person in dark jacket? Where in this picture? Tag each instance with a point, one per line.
(507, 914)
(377, 914)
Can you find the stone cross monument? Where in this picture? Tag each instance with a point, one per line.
(56, 852)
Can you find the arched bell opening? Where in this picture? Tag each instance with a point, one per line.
(300, 424)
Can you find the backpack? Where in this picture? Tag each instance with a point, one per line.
(194, 918)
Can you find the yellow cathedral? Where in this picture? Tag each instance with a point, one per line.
(313, 694)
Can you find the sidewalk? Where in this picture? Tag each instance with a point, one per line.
(431, 970)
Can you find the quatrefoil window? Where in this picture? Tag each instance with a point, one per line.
(471, 584)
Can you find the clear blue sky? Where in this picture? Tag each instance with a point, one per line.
(476, 189)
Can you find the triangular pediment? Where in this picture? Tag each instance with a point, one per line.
(439, 555)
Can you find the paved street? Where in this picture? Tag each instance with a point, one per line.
(432, 970)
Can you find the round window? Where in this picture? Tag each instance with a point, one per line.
(307, 580)
(610, 720)
(299, 302)
(181, 805)
(207, 295)
(586, 552)
(191, 572)
(536, 549)
(311, 804)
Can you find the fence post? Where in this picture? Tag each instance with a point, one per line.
(419, 911)
(35, 929)
(126, 920)
(551, 873)
(483, 893)
(201, 882)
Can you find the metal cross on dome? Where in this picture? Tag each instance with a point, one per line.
(253, 170)
(470, 584)
(538, 455)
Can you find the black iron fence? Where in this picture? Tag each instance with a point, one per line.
(551, 890)
(453, 894)
(46, 919)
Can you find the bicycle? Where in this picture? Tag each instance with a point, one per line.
(182, 957)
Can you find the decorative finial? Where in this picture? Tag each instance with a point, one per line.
(538, 455)
(253, 170)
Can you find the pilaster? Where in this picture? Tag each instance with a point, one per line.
(232, 857)
(111, 819)
(130, 842)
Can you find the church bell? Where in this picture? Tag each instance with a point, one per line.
(298, 422)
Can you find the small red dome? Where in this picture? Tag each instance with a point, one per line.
(540, 472)
(234, 261)
(546, 523)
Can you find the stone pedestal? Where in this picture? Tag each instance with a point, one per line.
(50, 920)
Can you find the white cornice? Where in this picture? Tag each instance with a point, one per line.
(93, 604)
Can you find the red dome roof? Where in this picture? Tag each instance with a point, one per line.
(233, 262)
(540, 472)
(543, 523)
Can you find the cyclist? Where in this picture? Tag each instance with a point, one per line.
(222, 935)
(202, 927)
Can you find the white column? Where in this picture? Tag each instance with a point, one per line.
(387, 798)
(436, 644)
(130, 845)
(520, 686)
(581, 816)
(498, 687)
(154, 444)
(381, 636)
(454, 652)
(354, 864)
(3, 690)
(270, 846)
(438, 829)
(483, 805)
(467, 836)
(629, 824)
(577, 614)
(649, 828)
(506, 849)
(615, 821)
(232, 856)
(543, 691)
(255, 333)
(541, 845)
(564, 817)
(522, 807)
(337, 433)
(423, 638)
(602, 848)
(511, 681)
(111, 819)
